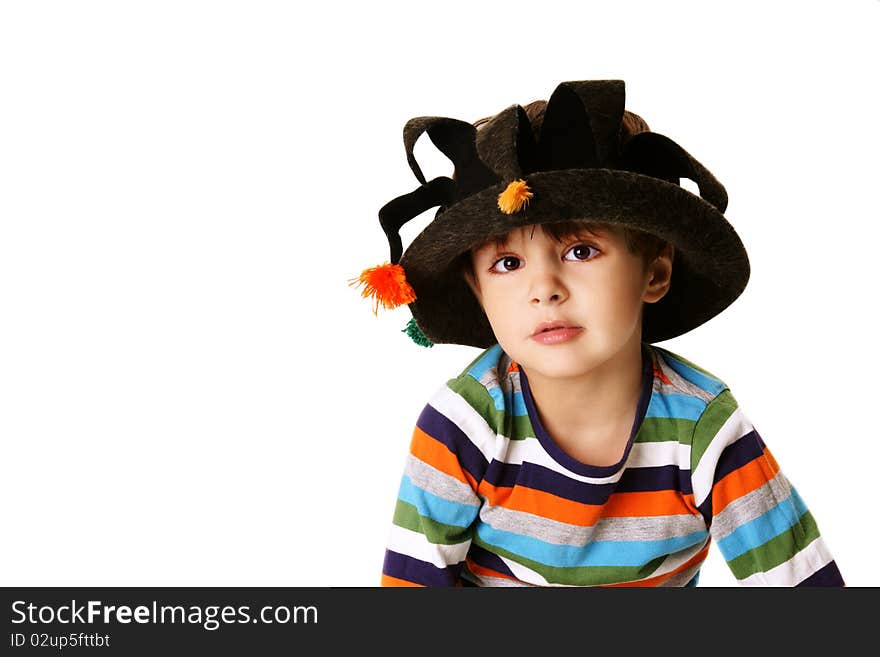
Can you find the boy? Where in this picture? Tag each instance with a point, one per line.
(572, 451)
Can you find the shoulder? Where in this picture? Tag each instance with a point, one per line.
(481, 393)
(717, 420)
(484, 382)
(685, 376)
(697, 394)
(466, 412)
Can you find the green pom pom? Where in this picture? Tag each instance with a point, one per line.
(413, 331)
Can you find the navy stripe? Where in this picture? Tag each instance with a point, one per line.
(829, 575)
(532, 475)
(740, 452)
(660, 477)
(737, 454)
(440, 427)
(488, 559)
(705, 510)
(502, 474)
(418, 571)
(539, 477)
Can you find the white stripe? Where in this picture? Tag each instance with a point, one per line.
(651, 455)
(806, 562)
(459, 412)
(414, 544)
(530, 450)
(736, 426)
(526, 574)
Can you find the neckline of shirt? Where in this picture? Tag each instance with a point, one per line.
(571, 463)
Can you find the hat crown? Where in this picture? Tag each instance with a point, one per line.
(583, 125)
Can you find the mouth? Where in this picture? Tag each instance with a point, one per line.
(546, 327)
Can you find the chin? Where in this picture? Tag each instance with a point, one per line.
(556, 363)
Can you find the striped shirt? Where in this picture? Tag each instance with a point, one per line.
(487, 497)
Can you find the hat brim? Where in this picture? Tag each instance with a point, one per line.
(710, 267)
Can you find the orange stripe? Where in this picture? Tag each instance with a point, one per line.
(388, 580)
(625, 505)
(539, 503)
(649, 503)
(659, 579)
(660, 375)
(430, 450)
(743, 480)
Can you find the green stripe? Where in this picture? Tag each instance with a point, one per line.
(407, 516)
(477, 397)
(711, 420)
(777, 550)
(662, 429)
(515, 427)
(578, 575)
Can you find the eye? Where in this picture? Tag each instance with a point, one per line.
(508, 262)
(581, 252)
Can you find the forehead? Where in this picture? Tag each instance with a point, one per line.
(562, 231)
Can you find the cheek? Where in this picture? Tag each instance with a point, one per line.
(617, 294)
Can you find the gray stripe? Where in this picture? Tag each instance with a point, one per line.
(685, 576)
(490, 378)
(483, 580)
(751, 506)
(439, 483)
(606, 529)
(679, 384)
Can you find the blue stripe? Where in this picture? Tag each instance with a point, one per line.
(497, 396)
(517, 402)
(519, 405)
(707, 383)
(487, 362)
(436, 508)
(770, 524)
(675, 405)
(595, 553)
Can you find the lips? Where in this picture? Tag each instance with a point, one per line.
(543, 327)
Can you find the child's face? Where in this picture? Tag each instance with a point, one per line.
(593, 283)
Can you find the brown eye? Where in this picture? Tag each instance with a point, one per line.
(581, 252)
(509, 263)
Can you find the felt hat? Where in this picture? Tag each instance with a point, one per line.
(580, 156)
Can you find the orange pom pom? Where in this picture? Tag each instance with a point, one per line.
(514, 197)
(387, 285)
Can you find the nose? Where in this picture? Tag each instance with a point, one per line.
(547, 286)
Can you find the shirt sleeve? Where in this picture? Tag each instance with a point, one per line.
(437, 502)
(759, 521)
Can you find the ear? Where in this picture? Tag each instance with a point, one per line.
(658, 275)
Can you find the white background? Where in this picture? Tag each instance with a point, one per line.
(190, 392)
